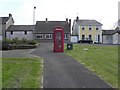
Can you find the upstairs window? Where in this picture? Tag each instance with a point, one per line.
(97, 28)
(83, 27)
(90, 27)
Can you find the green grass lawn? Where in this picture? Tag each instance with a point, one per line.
(21, 72)
(102, 60)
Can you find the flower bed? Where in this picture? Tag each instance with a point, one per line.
(18, 44)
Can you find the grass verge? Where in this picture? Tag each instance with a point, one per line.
(21, 72)
(103, 60)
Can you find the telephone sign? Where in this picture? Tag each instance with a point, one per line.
(58, 39)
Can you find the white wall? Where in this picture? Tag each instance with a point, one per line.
(116, 38)
(20, 35)
(74, 39)
(107, 39)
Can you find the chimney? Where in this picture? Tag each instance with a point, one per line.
(69, 22)
(77, 18)
(46, 19)
(66, 19)
(10, 15)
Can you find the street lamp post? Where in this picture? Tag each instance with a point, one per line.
(34, 22)
(34, 15)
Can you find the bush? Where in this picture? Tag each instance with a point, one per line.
(32, 42)
(24, 41)
(5, 40)
(16, 41)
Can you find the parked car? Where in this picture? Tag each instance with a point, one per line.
(85, 41)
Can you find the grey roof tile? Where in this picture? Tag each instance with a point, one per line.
(20, 28)
(110, 32)
(89, 22)
(47, 26)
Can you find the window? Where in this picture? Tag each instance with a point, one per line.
(40, 36)
(65, 36)
(97, 28)
(83, 37)
(90, 27)
(11, 32)
(90, 37)
(48, 36)
(83, 27)
(25, 32)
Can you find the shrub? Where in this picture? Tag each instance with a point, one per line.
(24, 41)
(32, 42)
(16, 41)
(6, 40)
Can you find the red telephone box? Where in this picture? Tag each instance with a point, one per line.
(58, 39)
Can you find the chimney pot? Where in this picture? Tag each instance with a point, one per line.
(10, 15)
(46, 19)
(66, 19)
(70, 22)
(77, 18)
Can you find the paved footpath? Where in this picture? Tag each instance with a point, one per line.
(62, 71)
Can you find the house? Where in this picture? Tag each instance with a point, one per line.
(44, 30)
(20, 31)
(5, 22)
(111, 36)
(87, 29)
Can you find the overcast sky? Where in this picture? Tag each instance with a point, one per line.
(104, 11)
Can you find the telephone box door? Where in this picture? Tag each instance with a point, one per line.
(58, 39)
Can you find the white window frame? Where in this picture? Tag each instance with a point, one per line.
(83, 27)
(49, 36)
(90, 27)
(40, 35)
(97, 27)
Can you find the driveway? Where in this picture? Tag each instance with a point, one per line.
(62, 71)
